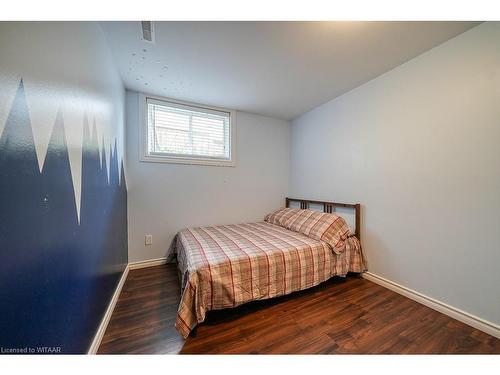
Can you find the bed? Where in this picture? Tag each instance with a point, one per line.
(292, 249)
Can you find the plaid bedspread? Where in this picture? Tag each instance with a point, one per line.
(226, 266)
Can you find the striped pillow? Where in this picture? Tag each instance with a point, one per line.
(329, 228)
(281, 215)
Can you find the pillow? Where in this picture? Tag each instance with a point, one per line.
(279, 216)
(329, 228)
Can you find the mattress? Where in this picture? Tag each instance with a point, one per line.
(226, 266)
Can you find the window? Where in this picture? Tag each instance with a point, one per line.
(178, 132)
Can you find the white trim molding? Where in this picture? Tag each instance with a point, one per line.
(145, 156)
(94, 347)
(469, 319)
(147, 263)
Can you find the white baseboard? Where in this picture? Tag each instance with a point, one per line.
(147, 263)
(107, 315)
(469, 319)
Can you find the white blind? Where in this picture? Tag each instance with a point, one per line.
(180, 130)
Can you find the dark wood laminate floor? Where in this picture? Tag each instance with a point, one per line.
(343, 316)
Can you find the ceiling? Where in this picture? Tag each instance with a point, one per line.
(278, 69)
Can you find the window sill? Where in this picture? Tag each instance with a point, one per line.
(190, 161)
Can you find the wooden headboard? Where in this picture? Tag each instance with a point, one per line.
(329, 207)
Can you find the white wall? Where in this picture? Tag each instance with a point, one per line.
(164, 198)
(419, 148)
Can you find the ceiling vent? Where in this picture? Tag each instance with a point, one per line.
(148, 31)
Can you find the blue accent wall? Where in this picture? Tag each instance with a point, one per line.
(57, 273)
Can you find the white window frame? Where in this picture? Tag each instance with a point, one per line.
(145, 156)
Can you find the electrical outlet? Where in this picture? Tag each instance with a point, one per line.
(148, 239)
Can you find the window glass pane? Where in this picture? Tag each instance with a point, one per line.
(180, 130)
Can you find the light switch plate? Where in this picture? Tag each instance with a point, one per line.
(148, 239)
